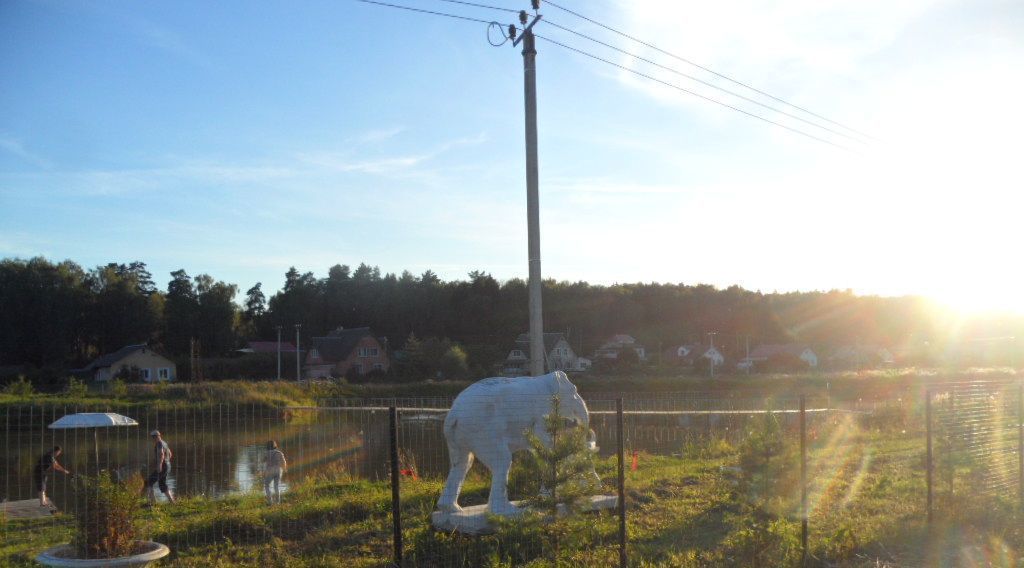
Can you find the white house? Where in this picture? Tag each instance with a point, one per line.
(778, 353)
(559, 356)
(617, 344)
(690, 354)
(133, 362)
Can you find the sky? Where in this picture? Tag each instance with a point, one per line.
(239, 139)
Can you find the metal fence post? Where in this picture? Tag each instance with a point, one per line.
(621, 483)
(396, 496)
(1020, 443)
(803, 476)
(928, 431)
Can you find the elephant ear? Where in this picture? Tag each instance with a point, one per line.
(563, 383)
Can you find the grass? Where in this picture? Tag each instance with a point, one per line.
(696, 508)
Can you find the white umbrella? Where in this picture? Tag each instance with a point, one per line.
(94, 420)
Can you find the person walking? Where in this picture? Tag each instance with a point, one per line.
(274, 466)
(41, 473)
(162, 457)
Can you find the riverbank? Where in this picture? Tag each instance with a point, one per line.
(847, 386)
(707, 506)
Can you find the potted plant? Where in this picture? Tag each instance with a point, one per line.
(106, 532)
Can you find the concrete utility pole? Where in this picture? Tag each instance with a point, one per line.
(712, 336)
(279, 353)
(298, 358)
(537, 355)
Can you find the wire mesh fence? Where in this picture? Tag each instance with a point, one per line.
(976, 441)
(698, 472)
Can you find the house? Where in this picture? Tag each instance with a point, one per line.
(343, 351)
(267, 347)
(558, 353)
(691, 355)
(786, 356)
(613, 348)
(860, 356)
(133, 362)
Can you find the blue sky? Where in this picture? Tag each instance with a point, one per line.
(239, 139)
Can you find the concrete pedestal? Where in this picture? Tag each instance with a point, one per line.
(473, 520)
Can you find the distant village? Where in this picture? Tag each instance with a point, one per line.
(359, 352)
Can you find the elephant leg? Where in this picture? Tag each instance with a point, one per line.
(499, 460)
(461, 461)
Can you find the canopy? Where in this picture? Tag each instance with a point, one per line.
(92, 420)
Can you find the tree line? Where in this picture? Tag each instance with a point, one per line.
(61, 315)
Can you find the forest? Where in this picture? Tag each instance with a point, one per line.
(59, 315)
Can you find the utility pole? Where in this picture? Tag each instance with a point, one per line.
(279, 353)
(748, 355)
(712, 336)
(298, 358)
(537, 355)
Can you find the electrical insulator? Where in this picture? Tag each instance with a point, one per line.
(536, 5)
(522, 17)
(512, 32)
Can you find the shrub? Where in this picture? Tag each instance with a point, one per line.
(106, 527)
(76, 388)
(20, 387)
(841, 544)
(119, 388)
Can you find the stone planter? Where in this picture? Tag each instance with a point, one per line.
(63, 555)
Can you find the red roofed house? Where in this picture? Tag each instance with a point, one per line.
(345, 350)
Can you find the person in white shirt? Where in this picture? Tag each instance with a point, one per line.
(162, 459)
(274, 466)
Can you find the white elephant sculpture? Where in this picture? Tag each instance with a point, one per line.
(489, 421)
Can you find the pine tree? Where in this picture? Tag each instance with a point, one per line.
(564, 466)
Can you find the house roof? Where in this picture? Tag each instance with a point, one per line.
(620, 341)
(270, 347)
(767, 351)
(550, 340)
(111, 358)
(694, 351)
(338, 344)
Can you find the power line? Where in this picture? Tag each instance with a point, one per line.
(701, 81)
(420, 10)
(499, 8)
(694, 93)
(702, 67)
(623, 67)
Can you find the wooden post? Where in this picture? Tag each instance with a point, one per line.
(396, 496)
(621, 484)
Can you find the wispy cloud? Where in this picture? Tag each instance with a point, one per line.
(378, 135)
(15, 146)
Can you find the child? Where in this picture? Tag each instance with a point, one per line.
(47, 463)
(274, 467)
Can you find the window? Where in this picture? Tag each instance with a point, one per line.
(368, 352)
(314, 353)
(144, 374)
(163, 373)
(358, 368)
(517, 354)
(378, 366)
